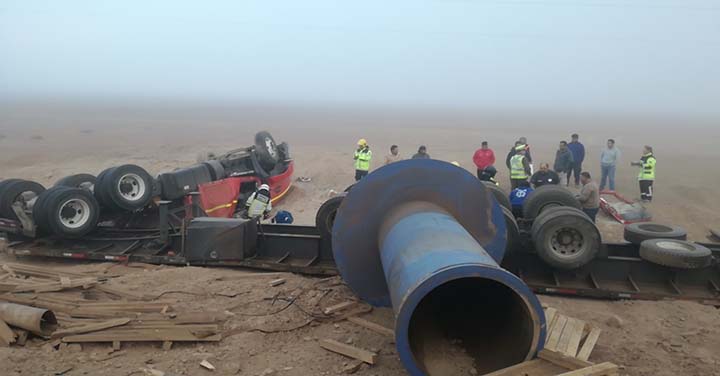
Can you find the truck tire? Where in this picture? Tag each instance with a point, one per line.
(675, 253)
(84, 181)
(266, 150)
(127, 187)
(500, 196)
(69, 212)
(637, 233)
(565, 238)
(513, 232)
(217, 170)
(38, 213)
(548, 196)
(17, 190)
(325, 217)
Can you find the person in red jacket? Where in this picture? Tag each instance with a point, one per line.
(483, 158)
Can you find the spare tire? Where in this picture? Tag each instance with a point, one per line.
(17, 190)
(69, 212)
(675, 253)
(127, 187)
(548, 196)
(637, 233)
(500, 196)
(325, 217)
(266, 150)
(216, 169)
(84, 181)
(513, 231)
(565, 238)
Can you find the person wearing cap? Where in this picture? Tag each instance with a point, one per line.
(520, 141)
(362, 158)
(422, 153)
(488, 174)
(483, 158)
(258, 204)
(647, 173)
(519, 167)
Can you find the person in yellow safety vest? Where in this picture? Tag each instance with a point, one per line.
(519, 167)
(646, 177)
(258, 204)
(362, 158)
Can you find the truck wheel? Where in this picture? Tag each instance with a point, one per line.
(502, 198)
(17, 190)
(69, 212)
(565, 238)
(126, 187)
(217, 171)
(84, 181)
(38, 213)
(266, 149)
(545, 197)
(513, 232)
(325, 217)
(675, 253)
(637, 233)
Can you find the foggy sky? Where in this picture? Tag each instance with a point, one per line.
(647, 56)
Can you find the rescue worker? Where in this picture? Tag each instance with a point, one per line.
(362, 158)
(646, 177)
(258, 204)
(519, 167)
(518, 196)
(521, 141)
(488, 174)
(483, 158)
(544, 176)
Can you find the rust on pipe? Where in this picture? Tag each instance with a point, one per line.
(36, 320)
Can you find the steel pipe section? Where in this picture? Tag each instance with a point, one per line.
(426, 238)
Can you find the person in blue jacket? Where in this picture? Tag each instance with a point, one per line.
(578, 152)
(517, 197)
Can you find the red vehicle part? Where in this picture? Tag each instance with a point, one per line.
(220, 198)
(608, 203)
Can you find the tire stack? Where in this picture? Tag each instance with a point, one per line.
(23, 192)
(667, 245)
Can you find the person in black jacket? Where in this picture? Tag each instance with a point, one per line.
(564, 160)
(521, 141)
(545, 176)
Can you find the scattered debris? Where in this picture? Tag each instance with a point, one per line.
(276, 282)
(339, 307)
(372, 326)
(349, 351)
(207, 365)
(304, 179)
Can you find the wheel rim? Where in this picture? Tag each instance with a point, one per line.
(25, 199)
(566, 242)
(74, 213)
(131, 187)
(89, 186)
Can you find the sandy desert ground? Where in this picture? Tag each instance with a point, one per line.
(45, 142)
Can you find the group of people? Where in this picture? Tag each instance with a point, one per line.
(363, 156)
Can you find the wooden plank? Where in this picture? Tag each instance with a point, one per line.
(7, 336)
(276, 282)
(339, 307)
(550, 316)
(589, 344)
(575, 336)
(122, 293)
(145, 335)
(602, 369)
(372, 326)
(562, 360)
(22, 336)
(554, 337)
(524, 368)
(349, 351)
(92, 327)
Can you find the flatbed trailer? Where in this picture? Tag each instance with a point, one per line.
(617, 273)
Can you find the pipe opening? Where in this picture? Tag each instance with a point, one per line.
(470, 323)
(48, 323)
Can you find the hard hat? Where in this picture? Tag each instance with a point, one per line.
(362, 142)
(456, 163)
(521, 147)
(265, 187)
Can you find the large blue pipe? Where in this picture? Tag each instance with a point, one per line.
(426, 238)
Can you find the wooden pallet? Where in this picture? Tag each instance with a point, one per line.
(568, 345)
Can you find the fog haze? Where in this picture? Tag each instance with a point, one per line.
(649, 57)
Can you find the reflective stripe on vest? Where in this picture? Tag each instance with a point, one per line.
(517, 169)
(648, 168)
(258, 205)
(362, 161)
